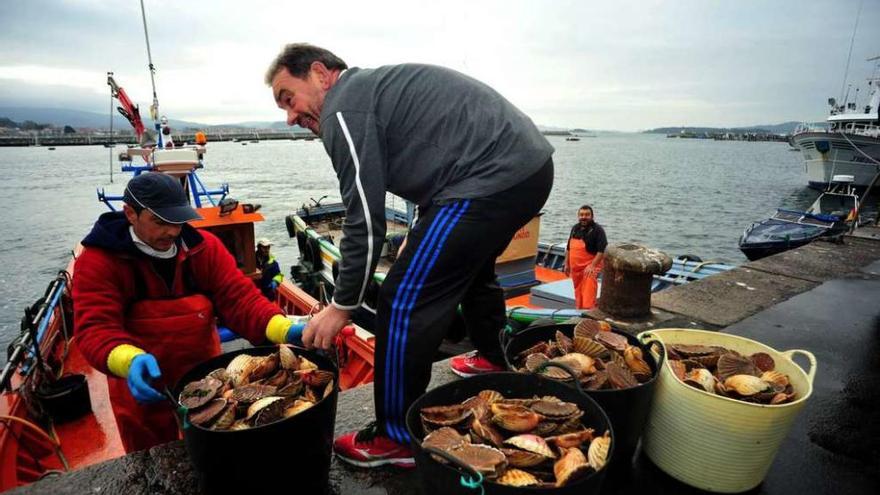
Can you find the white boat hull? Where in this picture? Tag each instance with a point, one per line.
(828, 154)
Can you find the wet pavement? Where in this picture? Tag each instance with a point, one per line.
(831, 310)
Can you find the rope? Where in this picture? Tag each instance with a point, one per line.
(56, 444)
(856, 147)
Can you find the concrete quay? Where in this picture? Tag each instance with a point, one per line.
(821, 297)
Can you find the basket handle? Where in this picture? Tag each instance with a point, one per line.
(648, 338)
(811, 373)
(474, 480)
(574, 376)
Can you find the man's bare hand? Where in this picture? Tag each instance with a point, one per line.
(323, 327)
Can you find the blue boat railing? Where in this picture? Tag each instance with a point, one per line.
(197, 189)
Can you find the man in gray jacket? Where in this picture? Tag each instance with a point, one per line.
(476, 167)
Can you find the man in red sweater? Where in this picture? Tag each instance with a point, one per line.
(147, 289)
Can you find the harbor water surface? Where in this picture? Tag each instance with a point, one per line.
(683, 196)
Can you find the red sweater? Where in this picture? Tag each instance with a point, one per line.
(105, 284)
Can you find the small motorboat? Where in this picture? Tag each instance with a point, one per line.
(832, 214)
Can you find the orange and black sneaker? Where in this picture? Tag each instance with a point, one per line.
(369, 448)
(472, 363)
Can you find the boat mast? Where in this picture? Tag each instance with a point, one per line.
(154, 108)
(112, 143)
(848, 57)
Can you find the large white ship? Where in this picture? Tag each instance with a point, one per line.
(850, 145)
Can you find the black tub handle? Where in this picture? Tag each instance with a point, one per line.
(474, 480)
(550, 364)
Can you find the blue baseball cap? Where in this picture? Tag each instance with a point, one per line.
(163, 195)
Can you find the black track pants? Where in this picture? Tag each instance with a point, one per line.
(449, 259)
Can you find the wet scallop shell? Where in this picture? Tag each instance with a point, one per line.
(305, 364)
(279, 379)
(287, 358)
(517, 477)
(730, 364)
(596, 381)
(490, 396)
(745, 385)
(252, 392)
(686, 350)
(263, 366)
(563, 342)
(198, 393)
(240, 369)
(522, 458)
(678, 369)
(478, 405)
(297, 407)
(446, 415)
(226, 418)
(555, 409)
(445, 439)
(597, 454)
(273, 411)
(517, 419)
(763, 361)
(574, 439)
(206, 414)
(589, 347)
(612, 340)
(701, 378)
(580, 363)
(316, 378)
(545, 428)
(571, 466)
(620, 377)
(531, 443)
(781, 398)
(636, 362)
(488, 461)
(261, 404)
(775, 378)
(533, 361)
(293, 387)
(539, 348)
(483, 429)
(587, 328)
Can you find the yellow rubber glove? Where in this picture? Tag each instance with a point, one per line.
(277, 328)
(120, 358)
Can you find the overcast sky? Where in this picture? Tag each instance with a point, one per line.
(623, 65)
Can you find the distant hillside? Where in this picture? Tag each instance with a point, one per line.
(783, 128)
(60, 117)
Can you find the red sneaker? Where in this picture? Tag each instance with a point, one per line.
(472, 363)
(367, 448)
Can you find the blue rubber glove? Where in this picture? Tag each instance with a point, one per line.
(143, 370)
(226, 334)
(274, 284)
(295, 334)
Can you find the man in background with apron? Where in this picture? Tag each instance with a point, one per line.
(583, 257)
(146, 290)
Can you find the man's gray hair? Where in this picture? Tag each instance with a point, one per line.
(297, 58)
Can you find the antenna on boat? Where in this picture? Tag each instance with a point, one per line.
(154, 108)
(848, 57)
(112, 143)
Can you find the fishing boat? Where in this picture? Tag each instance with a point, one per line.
(529, 271)
(850, 145)
(832, 214)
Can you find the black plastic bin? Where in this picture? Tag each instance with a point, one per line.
(627, 408)
(66, 398)
(294, 452)
(444, 479)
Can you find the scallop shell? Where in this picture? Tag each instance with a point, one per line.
(478, 405)
(701, 378)
(273, 411)
(263, 367)
(531, 443)
(488, 461)
(745, 385)
(587, 328)
(206, 414)
(571, 466)
(620, 376)
(484, 430)
(539, 348)
(490, 396)
(226, 418)
(580, 363)
(574, 439)
(297, 407)
(763, 361)
(279, 379)
(571, 425)
(678, 369)
(612, 340)
(287, 358)
(445, 439)
(636, 362)
(533, 361)
(239, 425)
(598, 451)
(563, 342)
(446, 415)
(198, 393)
(775, 378)
(686, 350)
(589, 347)
(516, 477)
(260, 405)
(293, 386)
(781, 398)
(252, 392)
(517, 419)
(316, 378)
(555, 409)
(596, 381)
(305, 364)
(730, 364)
(545, 428)
(220, 374)
(523, 458)
(240, 369)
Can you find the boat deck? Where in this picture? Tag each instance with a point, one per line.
(332, 229)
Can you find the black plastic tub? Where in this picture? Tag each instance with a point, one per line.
(444, 479)
(294, 452)
(628, 408)
(65, 399)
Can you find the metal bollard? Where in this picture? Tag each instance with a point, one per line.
(626, 279)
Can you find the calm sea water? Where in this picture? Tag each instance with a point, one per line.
(678, 195)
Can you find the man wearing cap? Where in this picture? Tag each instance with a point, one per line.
(146, 289)
(271, 276)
